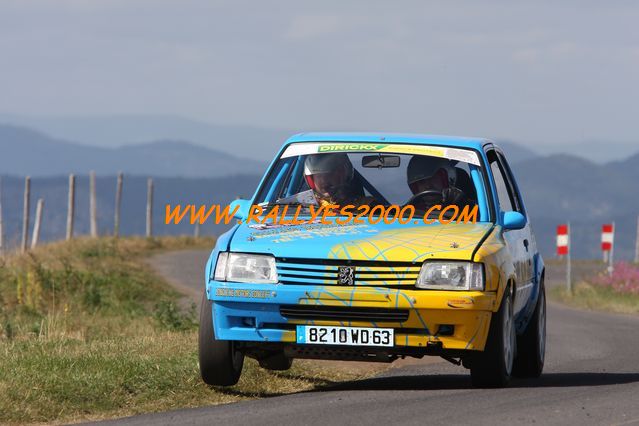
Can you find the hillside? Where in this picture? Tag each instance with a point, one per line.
(28, 152)
(116, 130)
(561, 188)
(515, 152)
(260, 142)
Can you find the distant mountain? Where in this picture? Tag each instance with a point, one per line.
(600, 152)
(257, 142)
(117, 130)
(28, 152)
(514, 152)
(562, 188)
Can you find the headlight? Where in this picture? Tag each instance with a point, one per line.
(439, 275)
(245, 268)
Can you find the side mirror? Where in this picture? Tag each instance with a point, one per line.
(514, 220)
(243, 207)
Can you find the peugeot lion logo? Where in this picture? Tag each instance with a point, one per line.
(346, 275)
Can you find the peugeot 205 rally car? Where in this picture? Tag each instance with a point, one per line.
(377, 289)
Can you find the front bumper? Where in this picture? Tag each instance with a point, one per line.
(453, 320)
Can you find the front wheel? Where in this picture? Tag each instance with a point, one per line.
(220, 361)
(531, 345)
(492, 368)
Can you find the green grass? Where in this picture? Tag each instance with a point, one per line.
(87, 288)
(88, 331)
(599, 298)
(71, 380)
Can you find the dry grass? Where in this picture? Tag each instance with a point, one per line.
(67, 380)
(597, 298)
(89, 332)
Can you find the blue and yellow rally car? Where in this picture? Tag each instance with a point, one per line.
(392, 275)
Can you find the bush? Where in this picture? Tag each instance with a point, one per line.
(624, 279)
(169, 316)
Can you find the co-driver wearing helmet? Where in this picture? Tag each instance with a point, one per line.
(434, 178)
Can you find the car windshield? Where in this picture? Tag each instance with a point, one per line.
(390, 174)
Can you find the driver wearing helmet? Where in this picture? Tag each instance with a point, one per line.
(331, 177)
(435, 178)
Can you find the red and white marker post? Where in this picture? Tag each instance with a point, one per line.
(563, 249)
(608, 244)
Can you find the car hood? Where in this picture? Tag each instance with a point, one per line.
(380, 242)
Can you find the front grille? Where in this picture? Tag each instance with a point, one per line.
(367, 273)
(343, 313)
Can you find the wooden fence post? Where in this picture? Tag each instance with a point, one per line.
(71, 207)
(118, 201)
(25, 214)
(149, 208)
(37, 224)
(93, 210)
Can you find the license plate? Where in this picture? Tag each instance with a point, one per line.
(351, 336)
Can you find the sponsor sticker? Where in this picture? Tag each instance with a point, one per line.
(458, 154)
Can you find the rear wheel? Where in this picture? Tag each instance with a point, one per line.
(276, 362)
(531, 346)
(220, 361)
(493, 367)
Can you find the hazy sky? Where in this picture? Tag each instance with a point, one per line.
(530, 71)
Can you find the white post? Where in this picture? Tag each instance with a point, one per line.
(149, 208)
(568, 265)
(25, 214)
(118, 201)
(612, 250)
(93, 209)
(71, 206)
(37, 225)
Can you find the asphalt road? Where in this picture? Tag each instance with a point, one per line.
(591, 377)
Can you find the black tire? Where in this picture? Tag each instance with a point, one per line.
(276, 362)
(531, 345)
(492, 368)
(220, 363)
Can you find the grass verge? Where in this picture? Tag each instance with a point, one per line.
(88, 332)
(67, 380)
(595, 297)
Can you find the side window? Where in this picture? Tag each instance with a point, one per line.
(277, 178)
(511, 183)
(504, 194)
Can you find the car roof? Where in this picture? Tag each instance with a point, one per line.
(390, 138)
